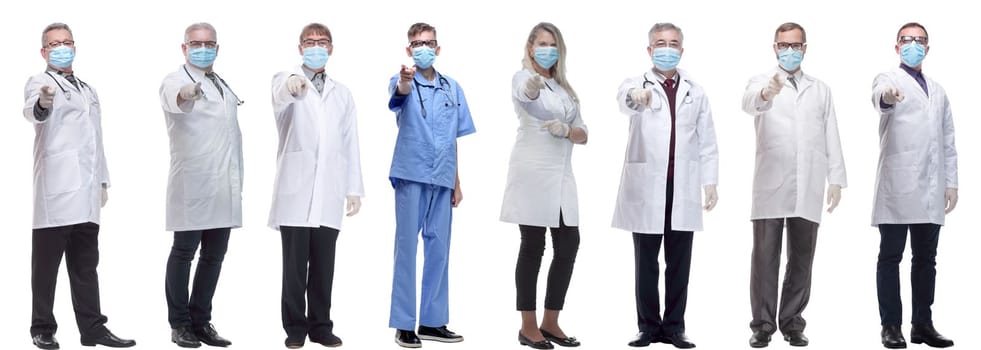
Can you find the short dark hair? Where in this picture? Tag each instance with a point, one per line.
(911, 25)
(315, 28)
(786, 27)
(420, 27)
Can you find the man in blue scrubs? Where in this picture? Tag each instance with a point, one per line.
(431, 112)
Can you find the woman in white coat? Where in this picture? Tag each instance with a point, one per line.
(541, 190)
(318, 166)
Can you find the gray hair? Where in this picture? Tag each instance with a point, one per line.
(54, 26)
(200, 25)
(663, 27)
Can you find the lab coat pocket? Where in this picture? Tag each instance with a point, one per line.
(61, 173)
(693, 183)
(900, 174)
(294, 168)
(636, 150)
(199, 183)
(770, 170)
(638, 183)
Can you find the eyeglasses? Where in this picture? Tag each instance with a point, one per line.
(419, 43)
(674, 44)
(197, 44)
(54, 44)
(906, 39)
(794, 46)
(312, 43)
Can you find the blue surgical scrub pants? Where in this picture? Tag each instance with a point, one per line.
(426, 208)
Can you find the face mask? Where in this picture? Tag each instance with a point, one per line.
(666, 58)
(202, 57)
(424, 56)
(61, 56)
(790, 59)
(315, 57)
(912, 54)
(546, 56)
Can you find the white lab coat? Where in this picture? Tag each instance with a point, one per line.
(318, 163)
(540, 181)
(797, 147)
(917, 157)
(641, 198)
(204, 190)
(69, 161)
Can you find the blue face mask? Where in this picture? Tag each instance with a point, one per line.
(912, 54)
(790, 59)
(666, 58)
(315, 57)
(424, 56)
(546, 56)
(61, 56)
(202, 57)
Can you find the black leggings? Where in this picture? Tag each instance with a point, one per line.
(565, 245)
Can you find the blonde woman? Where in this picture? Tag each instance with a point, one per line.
(541, 190)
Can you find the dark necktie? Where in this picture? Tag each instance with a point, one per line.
(672, 91)
(792, 81)
(318, 82)
(214, 79)
(71, 79)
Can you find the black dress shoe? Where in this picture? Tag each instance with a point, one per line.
(796, 338)
(45, 341)
(567, 342)
(892, 337)
(440, 334)
(407, 339)
(184, 337)
(680, 340)
(295, 343)
(760, 339)
(642, 339)
(329, 340)
(208, 335)
(110, 340)
(927, 334)
(542, 344)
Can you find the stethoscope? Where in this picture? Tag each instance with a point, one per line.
(68, 93)
(240, 101)
(678, 78)
(442, 81)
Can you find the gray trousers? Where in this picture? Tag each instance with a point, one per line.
(765, 271)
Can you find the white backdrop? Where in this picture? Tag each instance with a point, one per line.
(126, 48)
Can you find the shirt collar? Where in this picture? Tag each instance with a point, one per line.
(911, 71)
(311, 74)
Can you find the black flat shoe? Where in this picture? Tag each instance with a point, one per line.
(680, 340)
(330, 340)
(796, 338)
(184, 337)
(407, 339)
(208, 335)
(45, 341)
(892, 337)
(760, 339)
(440, 334)
(642, 339)
(567, 342)
(927, 334)
(295, 343)
(544, 344)
(110, 340)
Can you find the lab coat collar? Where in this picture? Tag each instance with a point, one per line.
(328, 81)
(804, 81)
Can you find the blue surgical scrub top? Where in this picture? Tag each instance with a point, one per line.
(425, 150)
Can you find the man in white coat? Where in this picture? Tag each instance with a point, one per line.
(71, 183)
(915, 187)
(204, 190)
(671, 155)
(318, 167)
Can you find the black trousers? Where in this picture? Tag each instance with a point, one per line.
(308, 275)
(80, 245)
(565, 246)
(196, 311)
(923, 273)
(677, 256)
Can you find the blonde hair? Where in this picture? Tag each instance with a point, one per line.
(558, 70)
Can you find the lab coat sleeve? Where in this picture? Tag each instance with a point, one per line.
(355, 186)
(281, 97)
(708, 148)
(579, 123)
(753, 103)
(622, 97)
(950, 152)
(536, 108)
(103, 176)
(169, 89)
(879, 85)
(836, 160)
(396, 101)
(32, 92)
(464, 119)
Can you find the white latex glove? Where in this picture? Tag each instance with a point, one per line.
(105, 196)
(711, 197)
(773, 87)
(892, 95)
(296, 85)
(951, 197)
(47, 97)
(556, 128)
(353, 205)
(191, 92)
(534, 85)
(639, 98)
(834, 196)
